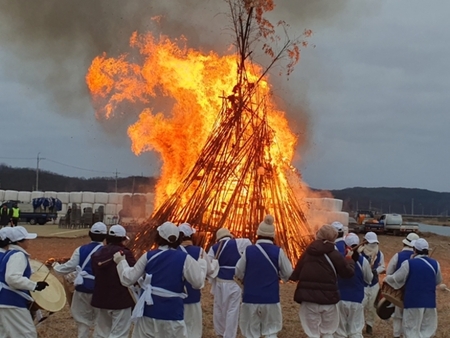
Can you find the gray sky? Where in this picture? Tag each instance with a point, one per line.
(375, 87)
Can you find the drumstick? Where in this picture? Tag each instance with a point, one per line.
(46, 275)
(105, 261)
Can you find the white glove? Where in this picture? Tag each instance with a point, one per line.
(118, 257)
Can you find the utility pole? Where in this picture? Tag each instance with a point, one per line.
(116, 179)
(412, 206)
(37, 171)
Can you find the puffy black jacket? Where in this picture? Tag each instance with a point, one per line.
(317, 280)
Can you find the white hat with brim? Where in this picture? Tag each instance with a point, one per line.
(186, 229)
(19, 233)
(371, 237)
(338, 226)
(410, 238)
(6, 233)
(99, 228)
(420, 244)
(351, 239)
(118, 231)
(167, 230)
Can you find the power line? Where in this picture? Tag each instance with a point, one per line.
(79, 168)
(17, 158)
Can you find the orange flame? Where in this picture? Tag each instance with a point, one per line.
(195, 82)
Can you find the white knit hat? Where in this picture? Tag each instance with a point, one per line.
(266, 227)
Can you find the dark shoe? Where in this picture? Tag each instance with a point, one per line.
(368, 329)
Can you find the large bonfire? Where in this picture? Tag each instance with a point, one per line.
(226, 148)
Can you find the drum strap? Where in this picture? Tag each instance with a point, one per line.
(20, 293)
(149, 290)
(267, 257)
(81, 274)
(431, 266)
(331, 263)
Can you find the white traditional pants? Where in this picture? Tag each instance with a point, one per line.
(193, 319)
(258, 320)
(227, 299)
(351, 320)
(370, 295)
(17, 322)
(146, 327)
(419, 323)
(83, 312)
(319, 320)
(397, 319)
(113, 323)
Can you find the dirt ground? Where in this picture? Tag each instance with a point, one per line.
(61, 324)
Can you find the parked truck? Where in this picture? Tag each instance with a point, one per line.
(39, 211)
(390, 223)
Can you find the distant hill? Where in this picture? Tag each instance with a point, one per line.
(399, 200)
(24, 179)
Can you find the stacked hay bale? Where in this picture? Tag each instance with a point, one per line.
(320, 211)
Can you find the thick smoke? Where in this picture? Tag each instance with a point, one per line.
(50, 44)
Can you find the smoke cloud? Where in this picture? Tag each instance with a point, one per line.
(49, 44)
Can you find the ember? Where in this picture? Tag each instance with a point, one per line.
(226, 149)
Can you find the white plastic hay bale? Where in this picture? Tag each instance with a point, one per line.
(338, 205)
(24, 196)
(101, 197)
(2, 195)
(64, 197)
(110, 209)
(36, 194)
(118, 208)
(338, 217)
(314, 203)
(11, 195)
(150, 197)
(88, 197)
(63, 210)
(76, 197)
(114, 198)
(48, 194)
(98, 205)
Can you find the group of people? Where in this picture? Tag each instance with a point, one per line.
(337, 278)
(9, 216)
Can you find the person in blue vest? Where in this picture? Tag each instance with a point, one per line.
(227, 293)
(260, 268)
(339, 242)
(82, 311)
(419, 275)
(159, 311)
(394, 264)
(192, 306)
(15, 287)
(372, 252)
(351, 310)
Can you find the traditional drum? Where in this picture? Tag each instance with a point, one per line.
(69, 286)
(392, 295)
(38, 266)
(385, 309)
(53, 297)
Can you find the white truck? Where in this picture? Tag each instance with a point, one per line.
(390, 223)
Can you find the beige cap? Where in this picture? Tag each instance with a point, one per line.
(223, 232)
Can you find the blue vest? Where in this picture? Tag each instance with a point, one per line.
(194, 295)
(352, 290)
(88, 284)
(2, 254)
(373, 267)
(401, 257)
(8, 297)
(261, 282)
(167, 273)
(340, 246)
(420, 286)
(228, 257)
